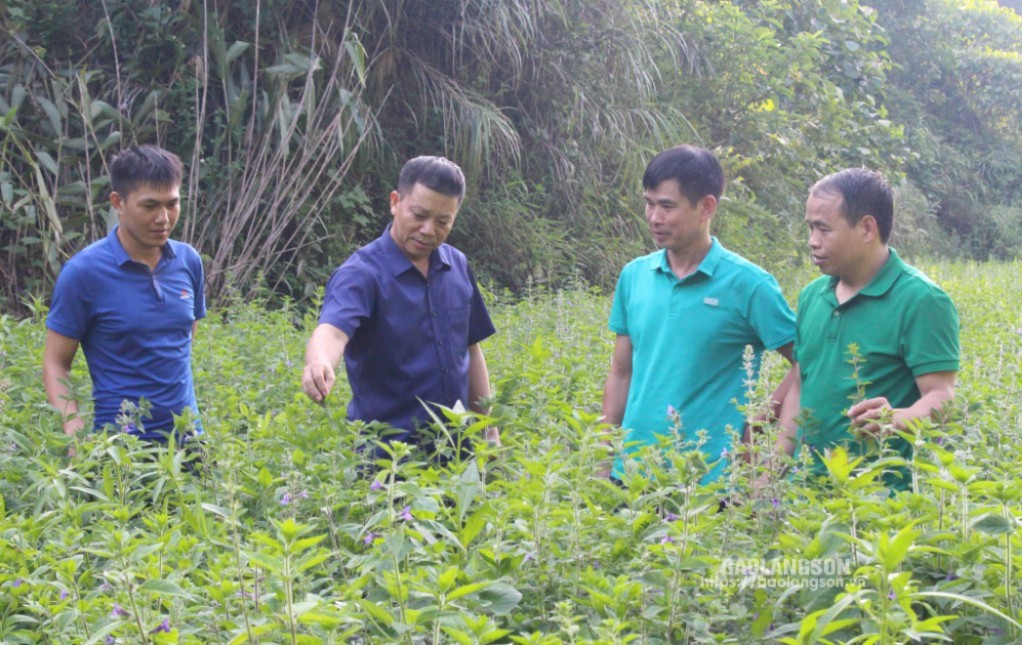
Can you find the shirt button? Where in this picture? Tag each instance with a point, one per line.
(440, 342)
(837, 313)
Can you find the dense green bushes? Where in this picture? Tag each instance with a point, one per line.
(294, 118)
(282, 540)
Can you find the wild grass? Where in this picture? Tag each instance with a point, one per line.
(283, 538)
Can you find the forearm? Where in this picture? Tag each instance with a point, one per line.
(615, 397)
(326, 346)
(479, 389)
(478, 381)
(58, 394)
(924, 408)
(788, 412)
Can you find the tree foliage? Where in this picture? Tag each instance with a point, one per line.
(293, 119)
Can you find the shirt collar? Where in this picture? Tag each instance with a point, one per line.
(885, 277)
(398, 262)
(121, 256)
(879, 285)
(706, 267)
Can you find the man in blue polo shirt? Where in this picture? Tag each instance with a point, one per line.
(684, 316)
(132, 301)
(406, 314)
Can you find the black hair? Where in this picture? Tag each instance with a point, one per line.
(436, 173)
(696, 170)
(863, 192)
(144, 165)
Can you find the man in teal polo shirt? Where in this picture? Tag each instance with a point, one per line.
(904, 326)
(684, 316)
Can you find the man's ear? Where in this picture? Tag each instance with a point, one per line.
(116, 200)
(708, 206)
(870, 228)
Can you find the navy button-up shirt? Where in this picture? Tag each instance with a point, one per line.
(408, 335)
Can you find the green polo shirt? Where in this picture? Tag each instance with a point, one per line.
(904, 325)
(688, 339)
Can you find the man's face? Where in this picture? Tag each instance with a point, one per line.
(673, 220)
(422, 220)
(147, 216)
(835, 244)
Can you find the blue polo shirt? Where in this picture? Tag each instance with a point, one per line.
(688, 343)
(134, 326)
(408, 334)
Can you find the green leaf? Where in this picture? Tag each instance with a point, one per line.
(267, 562)
(164, 588)
(47, 161)
(500, 598)
(470, 589)
(237, 49)
(219, 511)
(994, 525)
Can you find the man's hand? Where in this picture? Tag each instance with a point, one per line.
(323, 353)
(492, 435)
(866, 415)
(73, 426)
(317, 381)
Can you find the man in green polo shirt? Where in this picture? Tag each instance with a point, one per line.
(903, 326)
(684, 316)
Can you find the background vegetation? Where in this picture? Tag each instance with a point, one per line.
(294, 117)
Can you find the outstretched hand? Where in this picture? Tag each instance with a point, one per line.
(317, 381)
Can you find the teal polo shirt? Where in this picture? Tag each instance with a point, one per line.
(688, 340)
(904, 325)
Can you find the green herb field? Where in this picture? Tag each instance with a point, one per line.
(281, 538)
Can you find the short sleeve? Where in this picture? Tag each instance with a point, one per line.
(770, 316)
(71, 305)
(350, 297)
(198, 285)
(480, 326)
(618, 310)
(930, 342)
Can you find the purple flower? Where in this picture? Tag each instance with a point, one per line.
(951, 575)
(671, 517)
(376, 485)
(303, 494)
(370, 538)
(109, 640)
(118, 612)
(162, 627)
(667, 539)
(63, 594)
(890, 595)
(528, 556)
(128, 428)
(671, 412)
(406, 514)
(724, 453)
(105, 587)
(285, 499)
(241, 593)
(18, 583)
(776, 503)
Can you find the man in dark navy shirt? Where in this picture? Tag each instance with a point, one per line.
(132, 301)
(406, 314)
